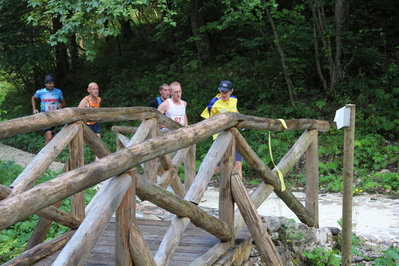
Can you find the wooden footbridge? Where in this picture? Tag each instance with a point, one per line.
(193, 237)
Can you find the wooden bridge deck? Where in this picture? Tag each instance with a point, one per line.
(194, 243)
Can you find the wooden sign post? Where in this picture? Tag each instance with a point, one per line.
(349, 138)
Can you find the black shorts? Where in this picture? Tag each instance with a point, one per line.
(52, 129)
(238, 157)
(95, 127)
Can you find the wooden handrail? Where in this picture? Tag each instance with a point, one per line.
(69, 115)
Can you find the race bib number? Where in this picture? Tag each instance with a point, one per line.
(50, 107)
(178, 119)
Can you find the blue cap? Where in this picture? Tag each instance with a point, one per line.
(225, 86)
(48, 79)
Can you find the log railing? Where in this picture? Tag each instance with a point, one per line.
(160, 154)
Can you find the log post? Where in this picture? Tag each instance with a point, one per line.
(189, 167)
(150, 167)
(139, 250)
(349, 147)
(125, 216)
(226, 203)
(312, 180)
(76, 160)
(255, 225)
(258, 196)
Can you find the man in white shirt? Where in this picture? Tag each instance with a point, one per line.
(175, 107)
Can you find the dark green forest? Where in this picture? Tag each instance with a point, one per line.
(287, 59)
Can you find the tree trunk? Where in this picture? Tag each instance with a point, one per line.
(61, 54)
(340, 11)
(126, 29)
(202, 39)
(290, 85)
(74, 52)
(322, 33)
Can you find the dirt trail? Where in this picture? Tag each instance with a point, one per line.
(22, 158)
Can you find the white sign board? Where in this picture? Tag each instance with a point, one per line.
(343, 117)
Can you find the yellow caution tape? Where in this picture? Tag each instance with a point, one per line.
(279, 173)
(283, 123)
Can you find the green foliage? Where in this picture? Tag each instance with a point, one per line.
(5, 88)
(8, 172)
(321, 257)
(373, 152)
(390, 257)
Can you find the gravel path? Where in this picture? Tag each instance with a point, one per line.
(22, 158)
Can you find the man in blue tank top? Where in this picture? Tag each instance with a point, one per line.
(164, 91)
(50, 99)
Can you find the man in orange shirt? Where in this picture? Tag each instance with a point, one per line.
(92, 100)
